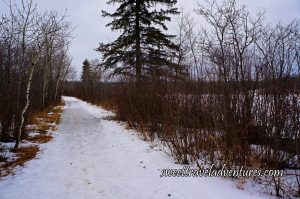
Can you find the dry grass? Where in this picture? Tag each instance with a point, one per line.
(53, 118)
(108, 106)
(50, 114)
(41, 138)
(46, 119)
(58, 109)
(25, 154)
(41, 122)
(43, 127)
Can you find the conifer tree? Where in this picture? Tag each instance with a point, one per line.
(142, 46)
(86, 76)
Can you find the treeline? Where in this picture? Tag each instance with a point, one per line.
(226, 93)
(92, 85)
(34, 61)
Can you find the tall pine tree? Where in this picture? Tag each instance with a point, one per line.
(142, 47)
(86, 77)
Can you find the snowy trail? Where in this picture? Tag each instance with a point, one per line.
(94, 158)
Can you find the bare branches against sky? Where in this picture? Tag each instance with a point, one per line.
(90, 26)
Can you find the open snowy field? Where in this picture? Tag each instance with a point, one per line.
(92, 157)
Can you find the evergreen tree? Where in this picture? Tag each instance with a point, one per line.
(86, 77)
(142, 47)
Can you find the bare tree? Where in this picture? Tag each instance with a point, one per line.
(35, 57)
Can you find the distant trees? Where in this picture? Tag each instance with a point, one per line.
(91, 77)
(34, 60)
(142, 48)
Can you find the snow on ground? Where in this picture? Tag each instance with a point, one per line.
(7, 154)
(94, 158)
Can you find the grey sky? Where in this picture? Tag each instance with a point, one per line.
(90, 26)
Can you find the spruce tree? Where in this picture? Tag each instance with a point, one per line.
(86, 77)
(142, 46)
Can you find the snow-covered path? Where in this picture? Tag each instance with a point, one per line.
(94, 158)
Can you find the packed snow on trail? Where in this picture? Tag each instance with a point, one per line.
(93, 157)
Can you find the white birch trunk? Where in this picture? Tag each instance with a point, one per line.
(56, 89)
(25, 107)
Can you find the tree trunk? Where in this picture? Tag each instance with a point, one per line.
(56, 89)
(26, 105)
(138, 64)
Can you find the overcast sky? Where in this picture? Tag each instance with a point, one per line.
(90, 26)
